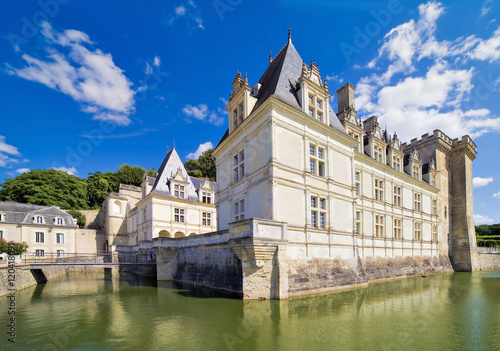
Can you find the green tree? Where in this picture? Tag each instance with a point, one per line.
(46, 187)
(131, 175)
(204, 166)
(152, 172)
(99, 185)
(81, 220)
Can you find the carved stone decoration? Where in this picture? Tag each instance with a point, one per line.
(254, 254)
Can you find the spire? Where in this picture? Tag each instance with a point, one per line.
(325, 83)
(246, 78)
(174, 145)
(270, 57)
(289, 35)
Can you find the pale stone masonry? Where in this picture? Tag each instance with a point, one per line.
(352, 203)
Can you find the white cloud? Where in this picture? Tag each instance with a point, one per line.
(157, 61)
(415, 96)
(22, 170)
(69, 170)
(88, 76)
(496, 195)
(202, 148)
(202, 113)
(486, 7)
(8, 153)
(335, 78)
(479, 182)
(189, 13)
(480, 219)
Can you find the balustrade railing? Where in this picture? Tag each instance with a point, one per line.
(82, 258)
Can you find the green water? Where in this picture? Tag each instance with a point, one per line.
(458, 311)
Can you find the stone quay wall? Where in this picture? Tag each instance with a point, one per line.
(253, 258)
(25, 277)
(489, 260)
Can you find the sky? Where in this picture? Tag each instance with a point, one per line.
(89, 85)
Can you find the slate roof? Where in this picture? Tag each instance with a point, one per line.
(18, 213)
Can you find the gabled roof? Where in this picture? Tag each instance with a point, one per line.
(169, 167)
(281, 76)
(23, 213)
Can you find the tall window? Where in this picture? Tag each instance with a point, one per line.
(238, 115)
(206, 197)
(60, 253)
(377, 153)
(239, 210)
(355, 137)
(39, 237)
(397, 228)
(357, 224)
(397, 196)
(60, 238)
(433, 179)
(379, 189)
(317, 160)
(315, 110)
(379, 226)
(1, 217)
(416, 171)
(357, 183)
(179, 215)
(417, 202)
(239, 166)
(445, 212)
(396, 162)
(206, 218)
(39, 253)
(318, 212)
(39, 219)
(179, 191)
(435, 233)
(435, 207)
(1, 234)
(418, 231)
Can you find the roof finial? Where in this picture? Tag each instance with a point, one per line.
(167, 149)
(270, 57)
(289, 35)
(174, 145)
(246, 78)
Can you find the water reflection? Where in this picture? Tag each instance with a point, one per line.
(87, 311)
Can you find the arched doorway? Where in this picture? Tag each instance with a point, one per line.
(164, 234)
(179, 235)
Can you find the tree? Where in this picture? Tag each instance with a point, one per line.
(152, 172)
(81, 220)
(46, 187)
(131, 175)
(99, 185)
(204, 166)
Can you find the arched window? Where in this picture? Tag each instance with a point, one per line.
(179, 235)
(192, 234)
(164, 234)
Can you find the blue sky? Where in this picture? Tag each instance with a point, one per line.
(89, 85)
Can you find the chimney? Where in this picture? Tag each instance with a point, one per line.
(345, 97)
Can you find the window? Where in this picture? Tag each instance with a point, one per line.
(357, 183)
(445, 212)
(206, 197)
(417, 202)
(39, 237)
(418, 231)
(318, 212)
(311, 111)
(39, 219)
(39, 253)
(235, 117)
(435, 233)
(377, 153)
(434, 207)
(2, 217)
(357, 224)
(239, 166)
(379, 189)
(238, 115)
(311, 99)
(397, 196)
(1, 234)
(319, 104)
(396, 162)
(315, 110)
(397, 228)
(206, 218)
(59, 221)
(316, 160)
(355, 137)
(60, 238)
(319, 116)
(179, 191)
(60, 253)
(379, 226)
(239, 210)
(179, 215)
(416, 171)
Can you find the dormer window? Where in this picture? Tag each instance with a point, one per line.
(238, 115)
(2, 217)
(315, 108)
(311, 111)
(38, 220)
(179, 191)
(319, 104)
(206, 197)
(311, 99)
(319, 116)
(396, 163)
(59, 221)
(416, 172)
(377, 153)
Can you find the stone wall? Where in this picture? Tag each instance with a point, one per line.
(489, 260)
(23, 277)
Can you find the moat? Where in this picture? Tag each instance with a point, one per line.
(88, 311)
